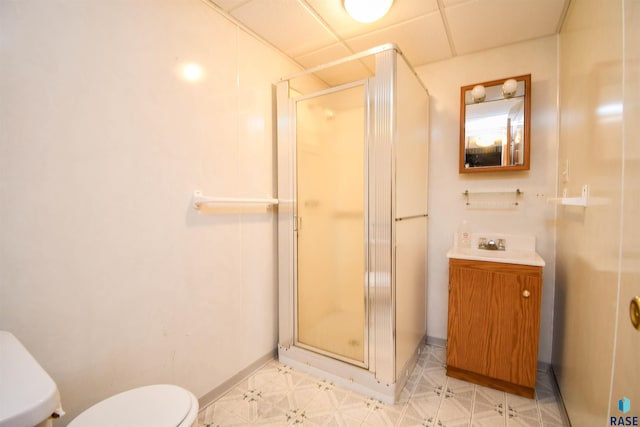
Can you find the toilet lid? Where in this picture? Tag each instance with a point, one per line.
(156, 405)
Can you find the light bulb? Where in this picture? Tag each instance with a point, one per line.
(509, 88)
(366, 11)
(478, 93)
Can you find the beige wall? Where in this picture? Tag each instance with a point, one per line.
(535, 216)
(594, 246)
(107, 274)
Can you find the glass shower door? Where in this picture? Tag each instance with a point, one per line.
(331, 286)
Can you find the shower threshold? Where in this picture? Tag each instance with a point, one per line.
(346, 375)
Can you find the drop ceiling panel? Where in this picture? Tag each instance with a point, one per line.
(447, 3)
(227, 5)
(478, 25)
(312, 31)
(348, 72)
(337, 18)
(325, 55)
(284, 23)
(421, 40)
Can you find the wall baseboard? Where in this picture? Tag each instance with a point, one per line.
(437, 342)
(217, 392)
(566, 421)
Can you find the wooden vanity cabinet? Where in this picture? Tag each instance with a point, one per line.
(494, 322)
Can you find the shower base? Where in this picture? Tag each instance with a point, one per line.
(348, 376)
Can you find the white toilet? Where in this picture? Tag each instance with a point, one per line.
(29, 397)
(161, 405)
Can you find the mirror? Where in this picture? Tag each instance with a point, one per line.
(495, 125)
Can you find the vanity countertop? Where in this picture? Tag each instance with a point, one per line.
(519, 250)
(522, 257)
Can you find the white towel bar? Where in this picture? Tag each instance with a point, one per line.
(199, 199)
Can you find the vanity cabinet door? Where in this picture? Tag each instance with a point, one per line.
(494, 318)
(470, 320)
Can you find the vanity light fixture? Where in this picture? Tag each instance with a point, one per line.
(478, 93)
(366, 11)
(509, 88)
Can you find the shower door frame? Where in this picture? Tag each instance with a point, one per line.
(366, 330)
(381, 380)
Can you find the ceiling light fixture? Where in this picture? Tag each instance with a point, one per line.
(366, 11)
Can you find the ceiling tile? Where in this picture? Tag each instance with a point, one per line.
(227, 5)
(339, 74)
(447, 3)
(315, 32)
(337, 18)
(325, 55)
(477, 25)
(284, 23)
(421, 40)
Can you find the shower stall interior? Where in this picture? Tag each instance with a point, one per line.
(352, 220)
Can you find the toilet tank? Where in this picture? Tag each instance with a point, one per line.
(28, 394)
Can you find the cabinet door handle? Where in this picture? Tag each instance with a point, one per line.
(526, 293)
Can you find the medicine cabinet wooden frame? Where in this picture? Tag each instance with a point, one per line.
(494, 95)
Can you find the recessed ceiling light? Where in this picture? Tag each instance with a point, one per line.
(366, 11)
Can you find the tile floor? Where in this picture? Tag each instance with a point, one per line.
(277, 395)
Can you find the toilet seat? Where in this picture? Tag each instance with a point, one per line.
(162, 405)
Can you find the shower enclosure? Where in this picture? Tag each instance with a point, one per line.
(352, 220)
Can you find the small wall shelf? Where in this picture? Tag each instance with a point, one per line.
(583, 200)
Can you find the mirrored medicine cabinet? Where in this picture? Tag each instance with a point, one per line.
(495, 125)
